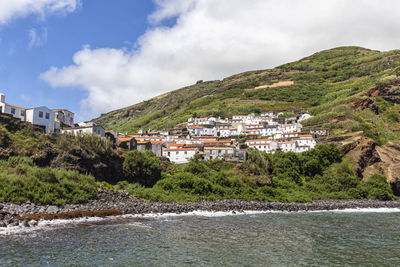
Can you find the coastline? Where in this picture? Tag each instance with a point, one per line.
(113, 203)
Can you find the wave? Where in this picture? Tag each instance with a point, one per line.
(44, 225)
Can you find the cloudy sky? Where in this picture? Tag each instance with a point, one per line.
(93, 56)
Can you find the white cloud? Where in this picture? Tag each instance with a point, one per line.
(11, 9)
(36, 38)
(215, 38)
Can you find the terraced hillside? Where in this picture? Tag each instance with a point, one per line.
(353, 91)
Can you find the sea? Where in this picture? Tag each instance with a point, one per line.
(357, 237)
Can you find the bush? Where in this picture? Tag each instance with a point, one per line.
(375, 188)
(142, 167)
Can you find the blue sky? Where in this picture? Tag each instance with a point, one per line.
(100, 23)
(94, 56)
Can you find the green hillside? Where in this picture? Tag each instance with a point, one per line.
(326, 84)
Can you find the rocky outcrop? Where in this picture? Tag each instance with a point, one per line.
(366, 103)
(389, 165)
(390, 91)
(364, 154)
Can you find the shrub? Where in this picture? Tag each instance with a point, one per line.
(142, 167)
(375, 188)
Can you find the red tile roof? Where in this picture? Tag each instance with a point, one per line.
(180, 149)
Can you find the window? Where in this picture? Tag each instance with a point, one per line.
(47, 116)
(169, 154)
(40, 114)
(22, 112)
(185, 152)
(12, 110)
(177, 152)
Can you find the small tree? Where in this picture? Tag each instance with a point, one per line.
(142, 167)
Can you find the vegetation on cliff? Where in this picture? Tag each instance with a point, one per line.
(288, 177)
(21, 180)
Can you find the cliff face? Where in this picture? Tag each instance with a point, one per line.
(388, 164)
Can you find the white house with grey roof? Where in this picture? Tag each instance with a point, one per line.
(88, 128)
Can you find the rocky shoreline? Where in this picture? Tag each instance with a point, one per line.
(110, 203)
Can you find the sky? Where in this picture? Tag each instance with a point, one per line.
(94, 56)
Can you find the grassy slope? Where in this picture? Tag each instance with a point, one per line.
(325, 83)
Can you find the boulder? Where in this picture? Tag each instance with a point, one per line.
(52, 209)
(33, 223)
(14, 223)
(25, 223)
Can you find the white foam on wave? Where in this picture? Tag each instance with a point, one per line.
(363, 210)
(44, 225)
(202, 213)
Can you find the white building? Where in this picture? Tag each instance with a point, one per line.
(88, 128)
(179, 155)
(209, 131)
(306, 140)
(269, 131)
(267, 114)
(217, 152)
(42, 116)
(195, 130)
(289, 128)
(287, 146)
(64, 116)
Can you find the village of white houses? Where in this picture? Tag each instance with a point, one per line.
(208, 137)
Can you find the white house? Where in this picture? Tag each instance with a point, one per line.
(260, 144)
(261, 147)
(195, 130)
(267, 114)
(42, 116)
(306, 140)
(217, 152)
(289, 128)
(209, 131)
(287, 146)
(269, 131)
(15, 111)
(179, 155)
(64, 116)
(89, 128)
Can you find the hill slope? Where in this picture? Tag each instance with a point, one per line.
(322, 80)
(353, 91)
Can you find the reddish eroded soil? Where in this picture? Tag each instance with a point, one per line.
(70, 215)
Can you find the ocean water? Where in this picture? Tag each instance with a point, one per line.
(330, 238)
